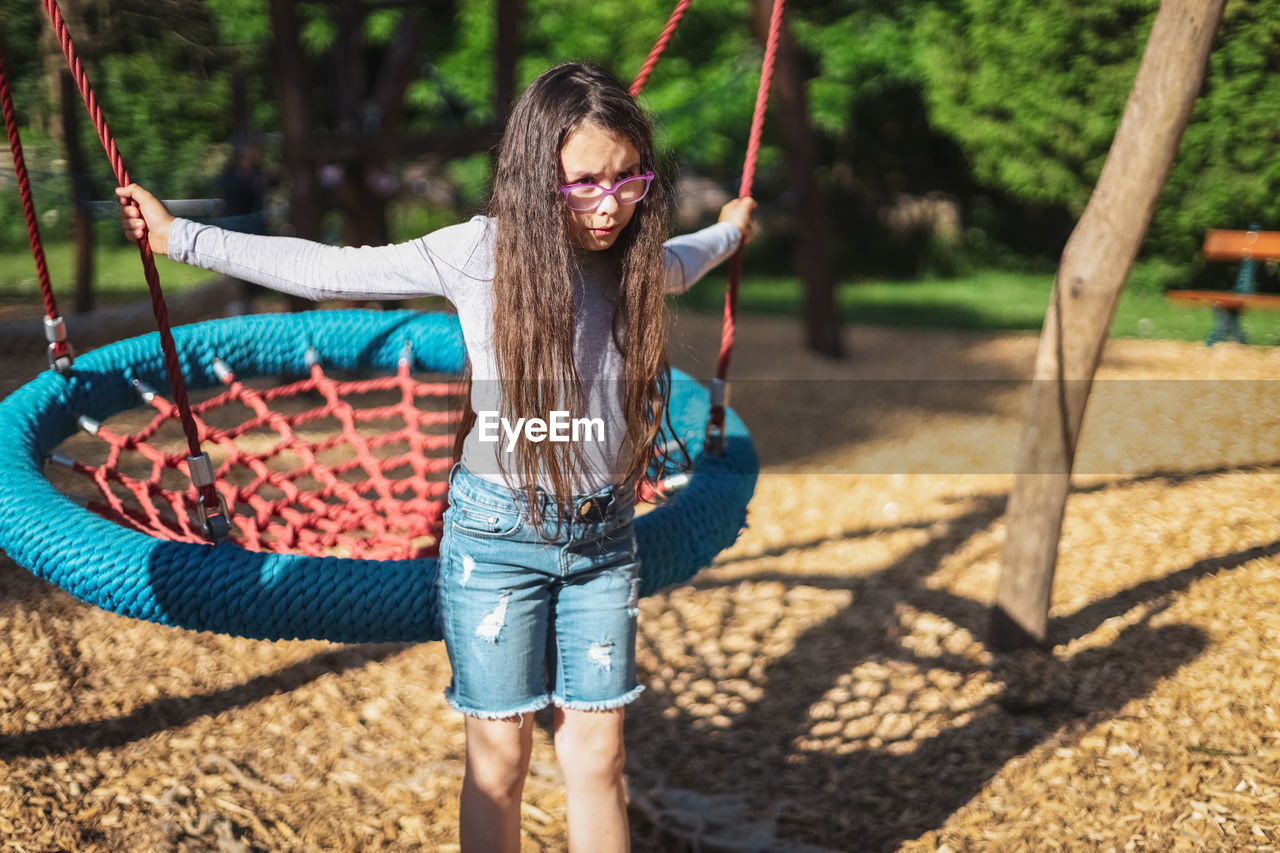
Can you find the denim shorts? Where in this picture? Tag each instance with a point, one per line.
(527, 621)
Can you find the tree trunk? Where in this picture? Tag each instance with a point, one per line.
(399, 70)
(80, 192)
(508, 51)
(347, 67)
(1094, 265)
(239, 102)
(363, 204)
(364, 212)
(813, 235)
(289, 69)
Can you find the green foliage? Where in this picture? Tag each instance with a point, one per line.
(460, 80)
(167, 131)
(50, 190)
(1007, 107)
(407, 222)
(1152, 277)
(20, 34)
(471, 177)
(1033, 91)
(160, 71)
(702, 92)
(1228, 170)
(319, 32)
(244, 24)
(861, 48)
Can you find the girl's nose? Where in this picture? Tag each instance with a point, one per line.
(608, 205)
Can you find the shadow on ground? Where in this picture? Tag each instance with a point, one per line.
(876, 797)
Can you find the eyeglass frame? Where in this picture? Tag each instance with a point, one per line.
(647, 177)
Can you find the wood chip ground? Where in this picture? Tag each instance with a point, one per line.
(824, 686)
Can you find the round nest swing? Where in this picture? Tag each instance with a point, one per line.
(326, 539)
(158, 569)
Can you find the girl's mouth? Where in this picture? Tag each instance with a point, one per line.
(602, 230)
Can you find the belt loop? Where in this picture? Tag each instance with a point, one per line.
(453, 472)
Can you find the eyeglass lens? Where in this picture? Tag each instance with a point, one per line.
(587, 196)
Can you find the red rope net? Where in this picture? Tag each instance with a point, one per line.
(322, 467)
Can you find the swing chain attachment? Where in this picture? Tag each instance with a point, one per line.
(215, 525)
(713, 442)
(55, 332)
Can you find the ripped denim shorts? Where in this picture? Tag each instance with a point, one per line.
(527, 621)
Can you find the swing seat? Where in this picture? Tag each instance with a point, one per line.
(151, 565)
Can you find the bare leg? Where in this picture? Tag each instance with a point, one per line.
(497, 763)
(590, 748)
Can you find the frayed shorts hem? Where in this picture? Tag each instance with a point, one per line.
(605, 705)
(528, 708)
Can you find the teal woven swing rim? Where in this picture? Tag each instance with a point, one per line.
(230, 590)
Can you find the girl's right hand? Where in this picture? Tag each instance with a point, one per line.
(141, 211)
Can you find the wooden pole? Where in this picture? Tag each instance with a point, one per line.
(1095, 263)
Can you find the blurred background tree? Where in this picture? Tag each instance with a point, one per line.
(952, 135)
(1032, 92)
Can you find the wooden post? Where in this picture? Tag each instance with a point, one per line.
(1094, 265)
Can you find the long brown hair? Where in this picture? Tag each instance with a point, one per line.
(533, 319)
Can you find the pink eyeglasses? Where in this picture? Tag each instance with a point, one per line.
(584, 197)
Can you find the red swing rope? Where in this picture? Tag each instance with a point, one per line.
(208, 494)
(60, 348)
(656, 51)
(303, 519)
(715, 424)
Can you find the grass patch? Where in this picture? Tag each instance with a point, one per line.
(117, 273)
(985, 301)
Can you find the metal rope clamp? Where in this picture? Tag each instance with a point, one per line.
(713, 442)
(55, 332)
(215, 526)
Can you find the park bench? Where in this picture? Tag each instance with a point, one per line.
(1247, 247)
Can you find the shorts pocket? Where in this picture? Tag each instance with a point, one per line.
(485, 522)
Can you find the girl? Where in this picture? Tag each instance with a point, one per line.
(559, 290)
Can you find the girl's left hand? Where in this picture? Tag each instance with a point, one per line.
(742, 213)
(141, 212)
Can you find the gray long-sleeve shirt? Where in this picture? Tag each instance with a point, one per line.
(458, 263)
